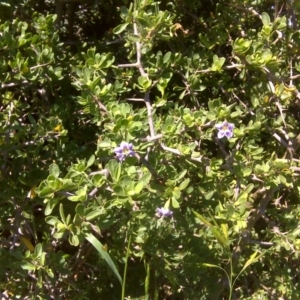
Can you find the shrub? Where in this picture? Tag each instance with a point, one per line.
(158, 163)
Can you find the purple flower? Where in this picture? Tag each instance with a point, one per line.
(125, 149)
(164, 212)
(225, 129)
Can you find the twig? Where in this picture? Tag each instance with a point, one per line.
(151, 139)
(254, 12)
(135, 99)
(64, 193)
(139, 66)
(261, 243)
(172, 150)
(232, 66)
(100, 105)
(221, 146)
(280, 140)
(294, 148)
(209, 124)
(200, 159)
(280, 110)
(279, 37)
(39, 66)
(104, 172)
(295, 169)
(93, 193)
(13, 84)
(128, 65)
(245, 106)
(146, 164)
(271, 85)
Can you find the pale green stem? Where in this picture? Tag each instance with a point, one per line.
(125, 268)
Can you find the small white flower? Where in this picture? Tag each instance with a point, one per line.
(164, 212)
(225, 129)
(125, 149)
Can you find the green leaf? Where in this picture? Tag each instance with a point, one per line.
(62, 214)
(104, 144)
(54, 170)
(73, 240)
(45, 192)
(219, 236)
(217, 232)
(81, 195)
(99, 247)
(27, 266)
(280, 163)
(120, 28)
(183, 173)
(114, 169)
(211, 266)
(254, 127)
(59, 235)
(162, 91)
(124, 12)
(138, 187)
(249, 188)
(217, 267)
(167, 57)
(38, 250)
(217, 63)
(253, 258)
(144, 82)
(242, 197)
(133, 38)
(246, 171)
(50, 206)
(175, 203)
(42, 258)
(91, 161)
(94, 214)
(184, 184)
(209, 195)
(282, 179)
(49, 272)
(52, 220)
(202, 219)
(79, 209)
(176, 193)
(265, 19)
(146, 178)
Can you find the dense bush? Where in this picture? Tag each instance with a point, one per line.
(149, 150)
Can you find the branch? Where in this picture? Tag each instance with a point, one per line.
(151, 139)
(139, 66)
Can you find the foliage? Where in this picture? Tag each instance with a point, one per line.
(149, 150)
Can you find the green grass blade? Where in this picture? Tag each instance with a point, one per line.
(99, 247)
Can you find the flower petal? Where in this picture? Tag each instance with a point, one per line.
(118, 150)
(221, 134)
(229, 134)
(230, 126)
(123, 145)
